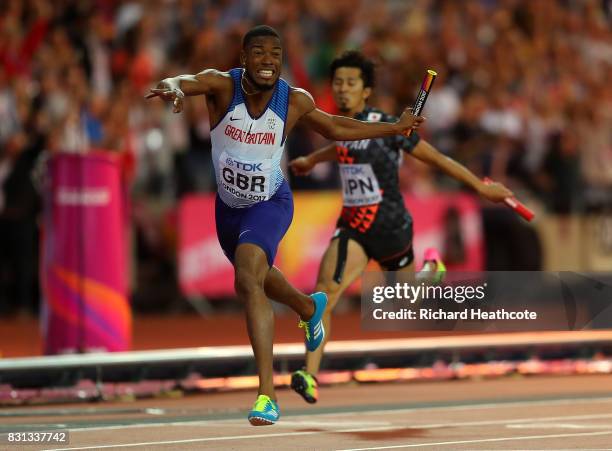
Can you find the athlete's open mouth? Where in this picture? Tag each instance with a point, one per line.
(265, 73)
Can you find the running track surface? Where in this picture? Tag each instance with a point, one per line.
(571, 412)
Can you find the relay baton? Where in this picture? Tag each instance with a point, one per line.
(513, 203)
(423, 93)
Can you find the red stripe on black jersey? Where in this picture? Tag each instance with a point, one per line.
(360, 218)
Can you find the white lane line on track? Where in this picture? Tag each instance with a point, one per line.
(297, 423)
(353, 429)
(331, 424)
(226, 438)
(604, 427)
(485, 440)
(219, 423)
(514, 421)
(470, 407)
(492, 405)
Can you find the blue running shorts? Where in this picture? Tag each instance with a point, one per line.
(263, 224)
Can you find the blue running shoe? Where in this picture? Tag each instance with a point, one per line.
(315, 332)
(265, 412)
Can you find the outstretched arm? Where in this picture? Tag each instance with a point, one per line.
(425, 152)
(303, 165)
(340, 128)
(176, 88)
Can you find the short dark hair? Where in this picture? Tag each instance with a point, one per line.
(354, 58)
(259, 30)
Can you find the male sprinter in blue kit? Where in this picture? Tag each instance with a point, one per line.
(374, 222)
(251, 112)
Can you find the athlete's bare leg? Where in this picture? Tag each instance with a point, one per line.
(356, 262)
(251, 268)
(280, 290)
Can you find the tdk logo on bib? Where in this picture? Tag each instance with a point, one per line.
(353, 169)
(249, 167)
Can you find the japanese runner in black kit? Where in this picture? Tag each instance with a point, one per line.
(374, 223)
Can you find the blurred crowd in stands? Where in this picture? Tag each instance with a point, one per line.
(523, 93)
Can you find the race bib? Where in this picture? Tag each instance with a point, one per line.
(359, 185)
(248, 180)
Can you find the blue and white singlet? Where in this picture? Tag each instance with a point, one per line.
(247, 151)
